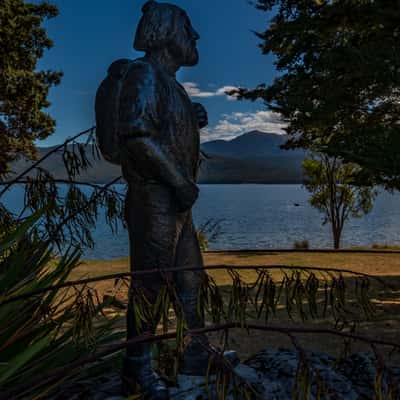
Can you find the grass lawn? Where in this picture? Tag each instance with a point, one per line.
(385, 325)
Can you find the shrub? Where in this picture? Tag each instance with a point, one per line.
(208, 232)
(301, 245)
(43, 332)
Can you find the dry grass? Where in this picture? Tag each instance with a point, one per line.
(380, 264)
(385, 326)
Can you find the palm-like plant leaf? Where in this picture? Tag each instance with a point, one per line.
(43, 332)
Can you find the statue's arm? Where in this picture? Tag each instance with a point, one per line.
(149, 157)
(139, 127)
(201, 114)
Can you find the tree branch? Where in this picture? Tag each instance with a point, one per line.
(182, 269)
(61, 181)
(61, 224)
(35, 164)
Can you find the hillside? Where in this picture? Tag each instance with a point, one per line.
(254, 157)
(246, 146)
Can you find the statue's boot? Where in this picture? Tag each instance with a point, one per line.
(139, 370)
(196, 359)
(137, 367)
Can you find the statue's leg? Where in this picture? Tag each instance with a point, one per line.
(188, 254)
(153, 233)
(196, 358)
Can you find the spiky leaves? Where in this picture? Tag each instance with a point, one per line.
(47, 330)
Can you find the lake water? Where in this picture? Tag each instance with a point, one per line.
(267, 216)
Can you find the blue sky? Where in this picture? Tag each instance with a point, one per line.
(90, 34)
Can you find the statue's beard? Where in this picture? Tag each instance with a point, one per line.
(186, 52)
(191, 58)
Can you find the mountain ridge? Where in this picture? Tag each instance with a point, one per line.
(254, 157)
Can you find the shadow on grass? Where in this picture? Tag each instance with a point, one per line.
(383, 325)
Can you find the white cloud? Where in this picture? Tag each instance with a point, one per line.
(193, 90)
(235, 124)
(222, 91)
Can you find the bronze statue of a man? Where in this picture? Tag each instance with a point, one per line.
(158, 135)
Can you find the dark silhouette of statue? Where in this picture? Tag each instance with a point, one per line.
(156, 128)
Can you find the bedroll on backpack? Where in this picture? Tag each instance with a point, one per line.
(107, 110)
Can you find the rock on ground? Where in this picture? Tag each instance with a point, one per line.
(272, 374)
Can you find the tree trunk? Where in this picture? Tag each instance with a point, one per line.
(336, 237)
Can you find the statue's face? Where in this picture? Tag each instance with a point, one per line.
(184, 45)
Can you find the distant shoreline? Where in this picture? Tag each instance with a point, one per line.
(207, 183)
(379, 250)
(250, 183)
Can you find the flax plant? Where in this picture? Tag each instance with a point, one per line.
(49, 330)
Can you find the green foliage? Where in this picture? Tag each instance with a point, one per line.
(23, 88)
(339, 64)
(203, 241)
(46, 331)
(43, 332)
(301, 245)
(70, 211)
(333, 192)
(385, 246)
(208, 232)
(305, 294)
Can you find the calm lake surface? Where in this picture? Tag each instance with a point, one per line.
(266, 216)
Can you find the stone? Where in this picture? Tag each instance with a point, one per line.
(272, 374)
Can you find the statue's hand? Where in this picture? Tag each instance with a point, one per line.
(201, 113)
(186, 195)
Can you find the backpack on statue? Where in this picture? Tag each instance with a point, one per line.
(107, 110)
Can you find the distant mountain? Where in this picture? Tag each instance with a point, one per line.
(100, 171)
(250, 145)
(254, 157)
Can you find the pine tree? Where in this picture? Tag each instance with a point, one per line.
(23, 88)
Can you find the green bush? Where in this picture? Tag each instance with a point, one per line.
(208, 232)
(46, 331)
(301, 245)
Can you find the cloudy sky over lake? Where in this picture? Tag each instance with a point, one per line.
(89, 35)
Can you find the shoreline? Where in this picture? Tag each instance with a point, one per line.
(394, 249)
